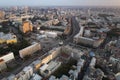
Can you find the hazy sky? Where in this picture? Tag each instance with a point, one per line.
(60, 2)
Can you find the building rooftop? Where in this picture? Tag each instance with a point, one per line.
(1, 60)
(44, 67)
(7, 36)
(36, 77)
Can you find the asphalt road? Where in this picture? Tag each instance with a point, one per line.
(75, 29)
(84, 69)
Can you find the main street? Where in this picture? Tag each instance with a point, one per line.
(75, 29)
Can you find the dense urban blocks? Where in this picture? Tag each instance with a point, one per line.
(59, 43)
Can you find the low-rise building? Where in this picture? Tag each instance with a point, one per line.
(11, 77)
(64, 77)
(7, 38)
(113, 46)
(88, 41)
(36, 64)
(93, 74)
(36, 77)
(89, 36)
(93, 62)
(3, 65)
(50, 22)
(49, 68)
(8, 57)
(80, 64)
(51, 34)
(117, 76)
(25, 74)
(29, 50)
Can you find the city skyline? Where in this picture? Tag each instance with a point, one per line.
(60, 3)
(60, 40)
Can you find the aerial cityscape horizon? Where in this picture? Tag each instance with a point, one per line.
(60, 3)
(59, 39)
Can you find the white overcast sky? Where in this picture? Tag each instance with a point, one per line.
(60, 2)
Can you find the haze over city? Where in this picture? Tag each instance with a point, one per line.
(59, 39)
(60, 2)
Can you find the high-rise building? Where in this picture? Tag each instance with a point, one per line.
(2, 14)
(26, 26)
(89, 12)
